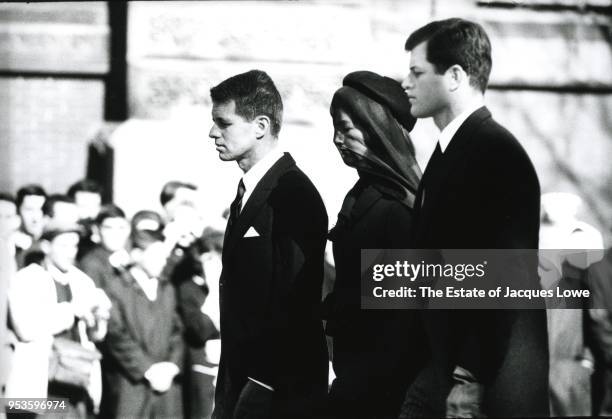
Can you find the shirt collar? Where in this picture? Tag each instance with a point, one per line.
(449, 131)
(255, 173)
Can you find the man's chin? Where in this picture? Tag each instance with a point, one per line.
(225, 157)
(417, 113)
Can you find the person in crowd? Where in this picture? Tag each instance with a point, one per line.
(9, 224)
(569, 247)
(183, 234)
(102, 262)
(57, 209)
(599, 332)
(9, 221)
(479, 191)
(273, 358)
(373, 363)
(60, 209)
(147, 220)
(175, 193)
(144, 339)
(30, 200)
(200, 316)
(87, 195)
(51, 300)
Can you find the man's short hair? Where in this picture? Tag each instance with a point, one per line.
(5, 196)
(109, 211)
(456, 41)
(169, 190)
(254, 93)
(27, 190)
(49, 205)
(84, 185)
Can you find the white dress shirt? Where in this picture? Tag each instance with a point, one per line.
(449, 131)
(258, 171)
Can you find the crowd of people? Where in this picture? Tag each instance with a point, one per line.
(124, 317)
(131, 291)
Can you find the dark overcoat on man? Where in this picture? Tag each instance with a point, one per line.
(270, 292)
(141, 333)
(482, 193)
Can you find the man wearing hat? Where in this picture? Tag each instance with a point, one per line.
(273, 357)
(479, 191)
(51, 299)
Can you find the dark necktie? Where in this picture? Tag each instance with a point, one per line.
(236, 205)
(433, 161)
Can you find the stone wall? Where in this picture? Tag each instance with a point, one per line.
(51, 98)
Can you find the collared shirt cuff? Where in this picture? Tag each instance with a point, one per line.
(261, 384)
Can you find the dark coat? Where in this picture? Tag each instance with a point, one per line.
(96, 265)
(483, 193)
(376, 353)
(270, 292)
(140, 333)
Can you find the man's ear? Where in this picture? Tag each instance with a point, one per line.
(262, 126)
(456, 76)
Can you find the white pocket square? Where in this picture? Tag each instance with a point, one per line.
(251, 232)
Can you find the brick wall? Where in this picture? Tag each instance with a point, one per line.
(52, 59)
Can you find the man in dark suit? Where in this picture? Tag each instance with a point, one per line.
(479, 191)
(273, 356)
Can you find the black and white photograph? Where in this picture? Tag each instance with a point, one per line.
(205, 207)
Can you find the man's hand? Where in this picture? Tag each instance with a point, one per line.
(161, 375)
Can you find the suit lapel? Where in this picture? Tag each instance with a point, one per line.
(453, 155)
(258, 197)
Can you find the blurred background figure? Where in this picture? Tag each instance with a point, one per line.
(183, 234)
(176, 193)
(50, 301)
(60, 209)
(104, 265)
(87, 196)
(572, 246)
(599, 331)
(9, 223)
(145, 332)
(110, 254)
(30, 200)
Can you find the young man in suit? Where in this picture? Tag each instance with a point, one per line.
(273, 357)
(479, 191)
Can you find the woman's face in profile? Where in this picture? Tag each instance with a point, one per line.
(348, 137)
